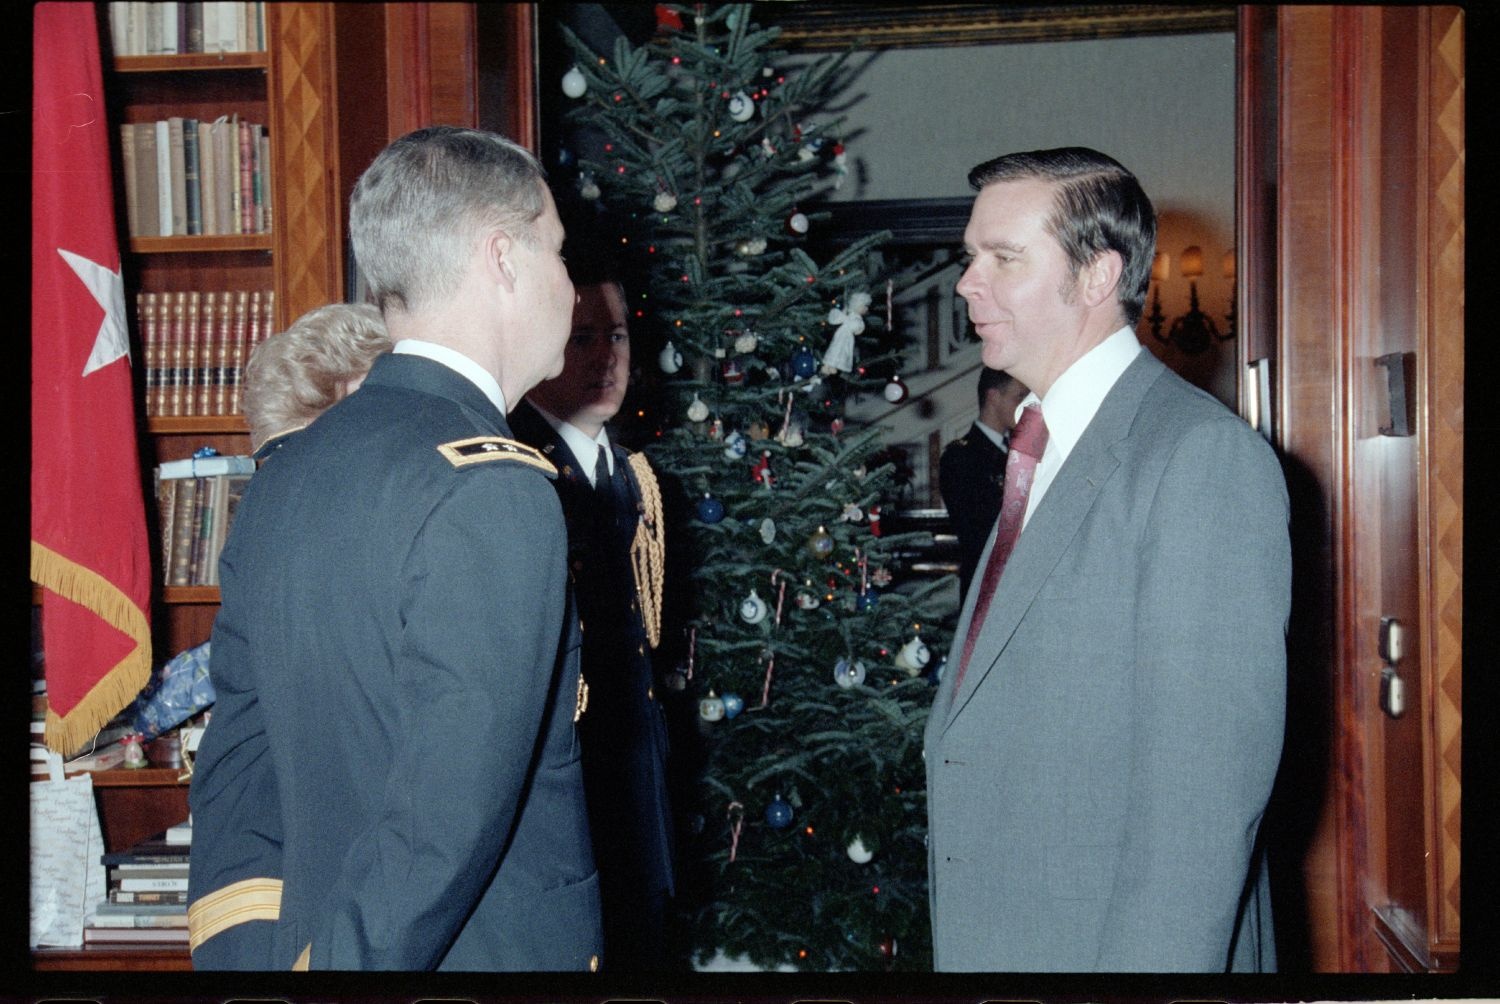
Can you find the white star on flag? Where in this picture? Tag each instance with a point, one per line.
(108, 289)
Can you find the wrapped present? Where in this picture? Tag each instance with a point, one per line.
(177, 692)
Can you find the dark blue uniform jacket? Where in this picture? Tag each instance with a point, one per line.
(391, 778)
(623, 731)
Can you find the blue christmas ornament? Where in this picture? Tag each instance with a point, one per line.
(804, 363)
(778, 814)
(733, 705)
(710, 509)
(867, 602)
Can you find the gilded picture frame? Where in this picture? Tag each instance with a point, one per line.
(813, 26)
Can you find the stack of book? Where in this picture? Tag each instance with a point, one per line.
(196, 514)
(153, 29)
(147, 899)
(196, 345)
(185, 176)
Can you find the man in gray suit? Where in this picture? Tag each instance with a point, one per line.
(1102, 748)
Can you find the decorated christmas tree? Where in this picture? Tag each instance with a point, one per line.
(807, 654)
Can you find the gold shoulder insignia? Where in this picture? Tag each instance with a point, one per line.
(483, 449)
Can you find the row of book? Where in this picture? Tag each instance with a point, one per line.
(196, 345)
(157, 29)
(185, 177)
(196, 514)
(146, 902)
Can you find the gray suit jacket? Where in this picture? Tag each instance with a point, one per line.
(1096, 785)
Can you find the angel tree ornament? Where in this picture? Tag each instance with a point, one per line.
(848, 322)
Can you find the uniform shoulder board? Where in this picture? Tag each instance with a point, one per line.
(485, 449)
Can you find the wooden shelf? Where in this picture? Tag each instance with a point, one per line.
(201, 243)
(121, 958)
(178, 62)
(139, 777)
(187, 425)
(188, 595)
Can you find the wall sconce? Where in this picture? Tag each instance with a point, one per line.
(1194, 331)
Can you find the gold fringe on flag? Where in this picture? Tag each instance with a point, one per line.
(117, 687)
(648, 551)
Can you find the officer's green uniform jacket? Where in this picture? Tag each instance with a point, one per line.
(391, 776)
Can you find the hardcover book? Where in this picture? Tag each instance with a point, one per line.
(134, 935)
(164, 178)
(192, 186)
(147, 189)
(179, 175)
(128, 168)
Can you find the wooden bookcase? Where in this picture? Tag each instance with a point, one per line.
(290, 88)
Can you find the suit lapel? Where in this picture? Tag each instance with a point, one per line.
(1055, 523)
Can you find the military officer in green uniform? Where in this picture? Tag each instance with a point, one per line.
(396, 654)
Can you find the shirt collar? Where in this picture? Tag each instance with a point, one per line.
(585, 449)
(1074, 398)
(459, 363)
(998, 438)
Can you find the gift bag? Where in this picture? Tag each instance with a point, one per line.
(67, 876)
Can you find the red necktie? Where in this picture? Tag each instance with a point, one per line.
(1026, 448)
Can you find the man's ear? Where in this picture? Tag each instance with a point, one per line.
(1101, 277)
(497, 250)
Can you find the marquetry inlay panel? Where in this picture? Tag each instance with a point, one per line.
(308, 237)
(1444, 489)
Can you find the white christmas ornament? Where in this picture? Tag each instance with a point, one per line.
(735, 445)
(753, 609)
(664, 202)
(767, 530)
(847, 674)
(746, 342)
(573, 84)
(697, 411)
(797, 223)
(711, 708)
(895, 391)
(588, 188)
(859, 853)
(913, 656)
(741, 108)
(670, 359)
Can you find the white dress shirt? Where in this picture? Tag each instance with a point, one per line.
(1072, 402)
(584, 448)
(459, 363)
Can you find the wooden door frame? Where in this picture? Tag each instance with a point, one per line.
(1300, 177)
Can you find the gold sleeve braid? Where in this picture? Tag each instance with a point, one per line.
(648, 551)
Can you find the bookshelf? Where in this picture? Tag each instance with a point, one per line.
(290, 89)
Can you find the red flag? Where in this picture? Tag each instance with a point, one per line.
(89, 547)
